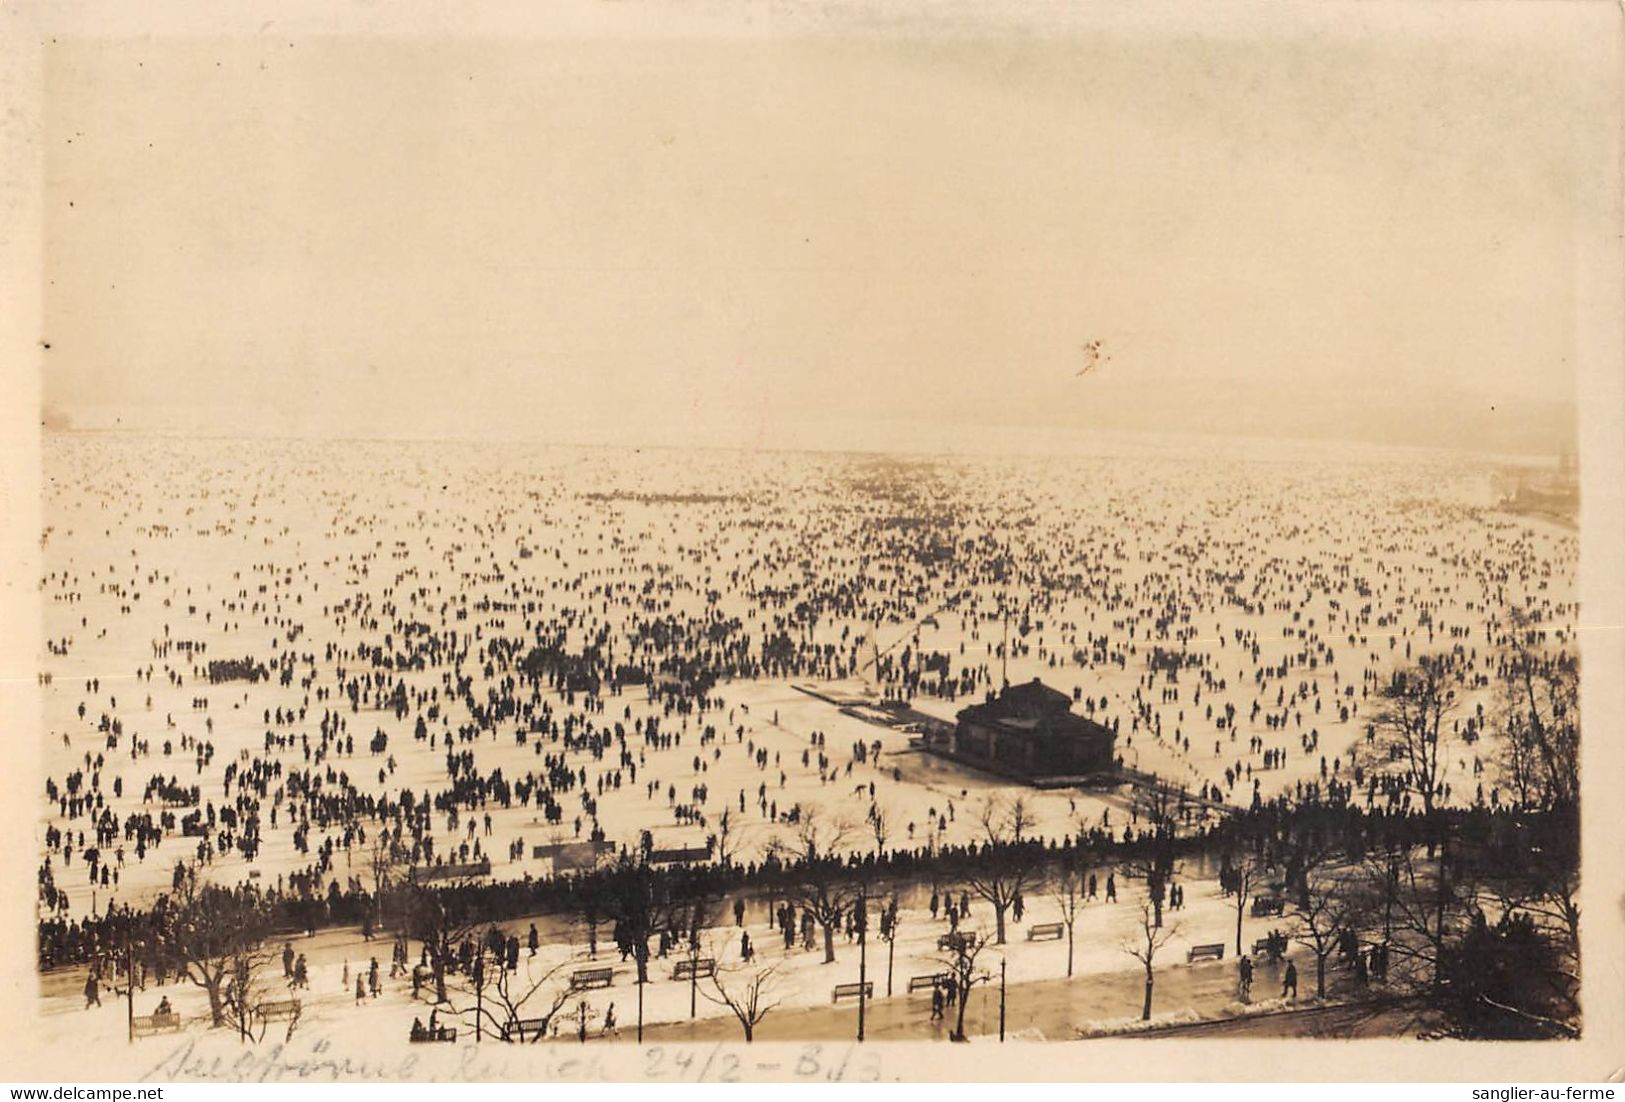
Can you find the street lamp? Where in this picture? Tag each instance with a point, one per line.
(642, 957)
(1001, 1000)
(862, 923)
(888, 930)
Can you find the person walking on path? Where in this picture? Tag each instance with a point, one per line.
(1289, 982)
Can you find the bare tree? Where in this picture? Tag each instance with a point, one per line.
(881, 823)
(635, 896)
(591, 910)
(1147, 942)
(438, 920)
(1427, 898)
(385, 857)
(725, 840)
(1535, 875)
(246, 992)
(1153, 859)
(1243, 875)
(1331, 904)
(1007, 868)
(821, 888)
(208, 932)
(1066, 887)
(511, 1005)
(963, 949)
(1539, 729)
(747, 990)
(1409, 724)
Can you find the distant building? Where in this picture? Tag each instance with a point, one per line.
(1550, 493)
(1029, 731)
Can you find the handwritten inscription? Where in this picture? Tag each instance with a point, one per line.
(320, 1061)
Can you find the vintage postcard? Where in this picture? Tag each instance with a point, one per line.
(844, 542)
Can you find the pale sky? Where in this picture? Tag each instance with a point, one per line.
(738, 238)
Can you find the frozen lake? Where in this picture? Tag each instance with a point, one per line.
(1292, 580)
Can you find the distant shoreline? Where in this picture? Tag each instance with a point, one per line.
(1101, 445)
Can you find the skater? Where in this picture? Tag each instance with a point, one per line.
(92, 992)
(1111, 887)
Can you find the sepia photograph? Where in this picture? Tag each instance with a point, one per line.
(866, 534)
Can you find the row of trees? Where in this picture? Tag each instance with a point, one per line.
(1477, 905)
(1479, 912)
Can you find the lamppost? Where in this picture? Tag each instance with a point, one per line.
(478, 975)
(643, 967)
(888, 930)
(129, 986)
(693, 975)
(1001, 1000)
(862, 922)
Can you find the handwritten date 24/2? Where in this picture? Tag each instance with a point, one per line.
(720, 1064)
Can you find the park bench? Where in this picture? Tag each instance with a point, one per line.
(1205, 952)
(1054, 930)
(953, 941)
(693, 969)
(148, 1024)
(1264, 905)
(1262, 945)
(281, 1010)
(926, 983)
(852, 991)
(584, 979)
(439, 1035)
(520, 1028)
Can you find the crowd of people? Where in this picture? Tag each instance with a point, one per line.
(335, 662)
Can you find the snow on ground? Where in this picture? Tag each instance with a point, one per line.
(251, 549)
(800, 977)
